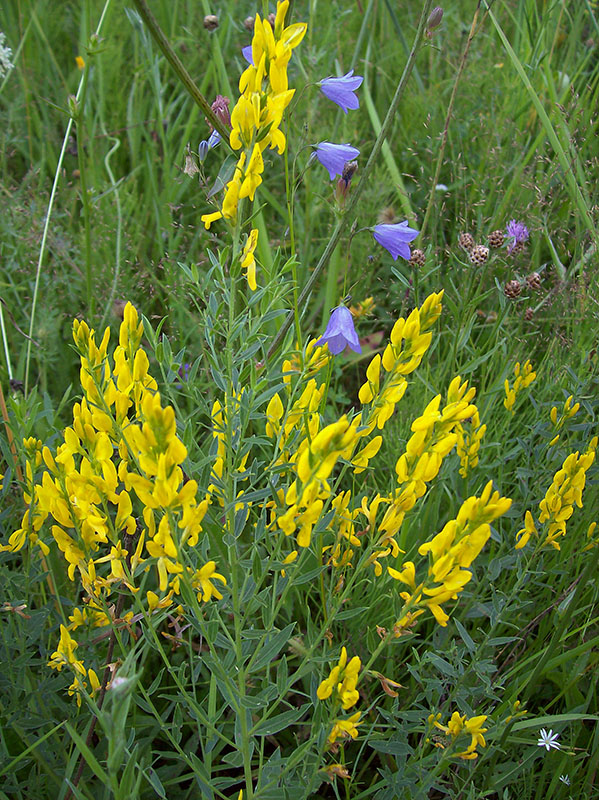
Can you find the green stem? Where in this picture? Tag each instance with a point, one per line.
(84, 191)
(373, 159)
(177, 65)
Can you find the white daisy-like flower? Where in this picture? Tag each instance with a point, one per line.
(565, 779)
(548, 740)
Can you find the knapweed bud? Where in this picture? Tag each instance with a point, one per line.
(248, 24)
(533, 281)
(417, 259)
(479, 254)
(496, 239)
(271, 18)
(529, 314)
(466, 241)
(211, 22)
(434, 19)
(221, 109)
(512, 289)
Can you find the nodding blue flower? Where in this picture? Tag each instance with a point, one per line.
(395, 238)
(340, 332)
(517, 233)
(341, 90)
(214, 139)
(334, 157)
(246, 52)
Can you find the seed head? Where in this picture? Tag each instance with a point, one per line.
(512, 289)
(466, 241)
(417, 259)
(211, 22)
(479, 254)
(529, 314)
(496, 239)
(533, 281)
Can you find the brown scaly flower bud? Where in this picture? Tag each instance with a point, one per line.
(496, 239)
(533, 281)
(221, 109)
(466, 241)
(529, 314)
(417, 259)
(271, 18)
(211, 22)
(512, 289)
(479, 254)
(248, 24)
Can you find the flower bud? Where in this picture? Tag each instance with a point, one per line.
(203, 148)
(211, 22)
(221, 109)
(73, 106)
(344, 181)
(248, 24)
(435, 18)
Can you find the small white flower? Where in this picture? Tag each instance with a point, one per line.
(5, 57)
(565, 779)
(548, 740)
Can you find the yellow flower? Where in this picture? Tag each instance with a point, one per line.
(80, 62)
(345, 728)
(248, 262)
(526, 532)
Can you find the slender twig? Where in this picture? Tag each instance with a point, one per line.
(177, 65)
(374, 155)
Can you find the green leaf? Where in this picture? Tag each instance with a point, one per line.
(87, 754)
(279, 722)
(271, 648)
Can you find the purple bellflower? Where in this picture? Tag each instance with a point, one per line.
(247, 54)
(517, 233)
(340, 332)
(341, 90)
(334, 157)
(395, 238)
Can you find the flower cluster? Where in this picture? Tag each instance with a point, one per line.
(450, 555)
(470, 434)
(410, 339)
(568, 411)
(115, 486)
(343, 680)
(64, 655)
(524, 376)
(558, 504)
(257, 115)
(460, 724)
